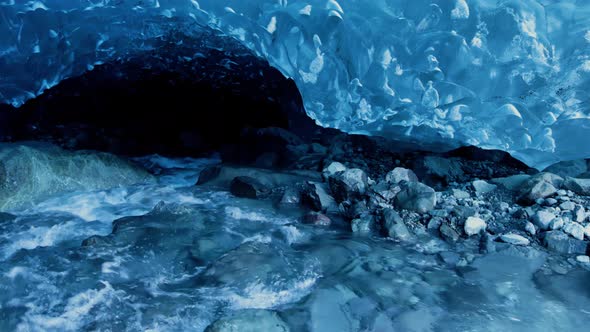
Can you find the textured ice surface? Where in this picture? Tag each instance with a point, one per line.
(506, 74)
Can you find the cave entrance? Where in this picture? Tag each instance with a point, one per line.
(177, 99)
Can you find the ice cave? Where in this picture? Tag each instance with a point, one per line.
(303, 165)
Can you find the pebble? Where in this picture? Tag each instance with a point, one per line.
(530, 228)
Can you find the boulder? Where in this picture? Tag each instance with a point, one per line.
(31, 172)
(474, 225)
(400, 174)
(208, 173)
(252, 320)
(291, 198)
(539, 186)
(562, 243)
(438, 168)
(394, 225)
(349, 184)
(579, 186)
(416, 196)
(332, 169)
(315, 196)
(574, 229)
(249, 187)
(482, 187)
(542, 219)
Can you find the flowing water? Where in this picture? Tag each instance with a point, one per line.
(180, 256)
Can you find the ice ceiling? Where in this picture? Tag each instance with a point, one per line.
(505, 74)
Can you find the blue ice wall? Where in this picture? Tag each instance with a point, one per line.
(505, 74)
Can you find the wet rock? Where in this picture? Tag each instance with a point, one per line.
(253, 320)
(249, 187)
(579, 186)
(332, 169)
(574, 229)
(448, 233)
(30, 172)
(515, 239)
(449, 257)
(97, 240)
(315, 196)
(487, 244)
(416, 196)
(317, 219)
(394, 225)
(542, 219)
(400, 174)
(539, 186)
(363, 225)
(349, 184)
(208, 173)
(482, 187)
(474, 225)
(318, 148)
(290, 199)
(562, 243)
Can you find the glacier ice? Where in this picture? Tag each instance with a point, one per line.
(503, 74)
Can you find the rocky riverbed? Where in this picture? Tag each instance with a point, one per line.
(346, 237)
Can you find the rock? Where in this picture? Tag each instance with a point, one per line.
(487, 244)
(400, 174)
(550, 201)
(515, 239)
(394, 225)
(317, 219)
(252, 320)
(541, 185)
(291, 198)
(474, 225)
(562, 243)
(208, 173)
(579, 213)
(556, 223)
(30, 172)
(571, 168)
(460, 194)
(449, 257)
(349, 184)
(315, 196)
(332, 169)
(482, 187)
(446, 169)
(542, 219)
(248, 187)
(584, 259)
(382, 194)
(579, 186)
(530, 228)
(362, 225)
(567, 206)
(448, 233)
(512, 183)
(318, 148)
(587, 231)
(574, 229)
(416, 196)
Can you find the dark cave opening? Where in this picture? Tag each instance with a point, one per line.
(170, 101)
